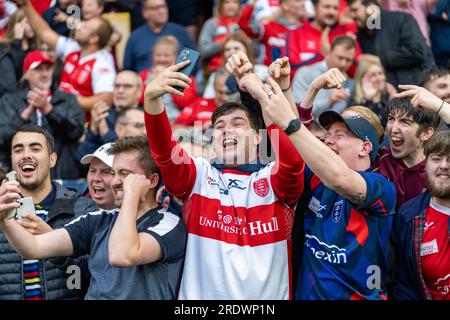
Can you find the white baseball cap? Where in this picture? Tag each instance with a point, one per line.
(101, 153)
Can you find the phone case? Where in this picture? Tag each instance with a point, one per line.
(192, 56)
(26, 206)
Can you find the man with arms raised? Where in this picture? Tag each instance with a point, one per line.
(238, 212)
(349, 209)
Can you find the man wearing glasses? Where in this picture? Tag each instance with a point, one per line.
(119, 120)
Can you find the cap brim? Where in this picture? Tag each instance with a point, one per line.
(87, 159)
(36, 64)
(327, 118)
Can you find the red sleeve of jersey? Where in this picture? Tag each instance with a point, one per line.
(177, 167)
(287, 176)
(190, 95)
(143, 74)
(244, 21)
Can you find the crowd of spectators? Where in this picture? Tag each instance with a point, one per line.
(144, 175)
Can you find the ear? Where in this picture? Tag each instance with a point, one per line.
(427, 134)
(154, 179)
(144, 12)
(258, 137)
(26, 75)
(118, 128)
(139, 94)
(53, 159)
(366, 148)
(94, 39)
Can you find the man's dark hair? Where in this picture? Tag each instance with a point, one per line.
(438, 144)
(104, 32)
(229, 107)
(139, 144)
(345, 41)
(122, 114)
(29, 127)
(432, 74)
(365, 3)
(403, 107)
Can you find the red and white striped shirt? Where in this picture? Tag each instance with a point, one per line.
(239, 224)
(86, 76)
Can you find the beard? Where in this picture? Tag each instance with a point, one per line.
(437, 191)
(29, 185)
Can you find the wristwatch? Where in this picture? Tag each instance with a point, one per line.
(294, 126)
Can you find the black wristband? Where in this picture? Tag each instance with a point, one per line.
(287, 89)
(294, 126)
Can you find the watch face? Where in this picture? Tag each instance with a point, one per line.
(293, 126)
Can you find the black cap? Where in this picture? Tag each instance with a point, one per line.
(362, 128)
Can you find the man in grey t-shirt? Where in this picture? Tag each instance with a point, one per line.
(341, 56)
(136, 252)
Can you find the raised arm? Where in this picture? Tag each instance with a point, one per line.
(280, 71)
(177, 168)
(287, 175)
(39, 25)
(327, 165)
(128, 247)
(239, 66)
(55, 243)
(424, 99)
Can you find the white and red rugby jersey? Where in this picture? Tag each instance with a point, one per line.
(88, 75)
(239, 224)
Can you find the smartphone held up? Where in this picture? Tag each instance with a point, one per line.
(26, 204)
(184, 55)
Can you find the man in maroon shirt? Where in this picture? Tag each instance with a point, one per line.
(404, 162)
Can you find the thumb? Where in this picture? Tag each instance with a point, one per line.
(284, 61)
(179, 66)
(166, 202)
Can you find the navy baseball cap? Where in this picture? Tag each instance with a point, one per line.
(362, 128)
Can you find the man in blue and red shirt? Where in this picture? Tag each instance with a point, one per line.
(421, 232)
(349, 210)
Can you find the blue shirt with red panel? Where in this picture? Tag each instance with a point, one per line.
(346, 247)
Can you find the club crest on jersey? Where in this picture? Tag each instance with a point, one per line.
(337, 211)
(261, 187)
